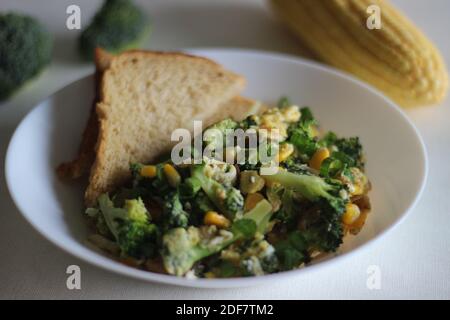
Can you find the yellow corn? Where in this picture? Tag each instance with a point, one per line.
(172, 175)
(252, 200)
(213, 218)
(398, 58)
(286, 149)
(351, 214)
(316, 160)
(148, 171)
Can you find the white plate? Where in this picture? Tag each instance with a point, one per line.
(50, 134)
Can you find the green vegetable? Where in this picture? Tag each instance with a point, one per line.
(249, 122)
(173, 212)
(284, 102)
(25, 50)
(324, 230)
(312, 188)
(181, 248)
(301, 134)
(227, 199)
(349, 150)
(292, 251)
(118, 25)
(289, 209)
(259, 257)
(246, 227)
(130, 226)
(189, 188)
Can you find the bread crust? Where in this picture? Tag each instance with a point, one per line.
(107, 175)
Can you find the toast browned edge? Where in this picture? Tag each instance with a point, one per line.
(86, 154)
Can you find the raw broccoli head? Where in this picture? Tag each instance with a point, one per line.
(118, 26)
(227, 199)
(25, 49)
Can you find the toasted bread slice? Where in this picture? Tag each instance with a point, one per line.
(86, 153)
(143, 97)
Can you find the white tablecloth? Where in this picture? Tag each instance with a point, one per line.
(414, 259)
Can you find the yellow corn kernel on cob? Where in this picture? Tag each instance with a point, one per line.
(398, 59)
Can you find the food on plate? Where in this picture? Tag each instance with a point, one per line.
(118, 25)
(397, 58)
(223, 215)
(25, 50)
(219, 220)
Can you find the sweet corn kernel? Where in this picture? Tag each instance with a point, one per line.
(286, 149)
(148, 171)
(212, 218)
(318, 157)
(351, 214)
(252, 200)
(172, 175)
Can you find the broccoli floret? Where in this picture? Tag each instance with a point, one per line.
(181, 248)
(301, 134)
(130, 226)
(174, 214)
(312, 188)
(350, 151)
(353, 149)
(138, 239)
(292, 251)
(118, 25)
(259, 258)
(324, 230)
(289, 208)
(227, 199)
(25, 49)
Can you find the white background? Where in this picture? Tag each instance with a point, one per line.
(414, 259)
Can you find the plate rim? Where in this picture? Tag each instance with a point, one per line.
(117, 267)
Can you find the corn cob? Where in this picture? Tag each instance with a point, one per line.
(398, 59)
